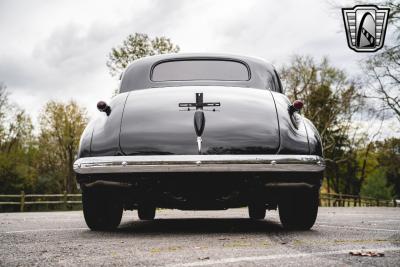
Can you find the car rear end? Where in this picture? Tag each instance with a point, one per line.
(199, 147)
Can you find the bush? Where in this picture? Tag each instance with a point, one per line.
(376, 186)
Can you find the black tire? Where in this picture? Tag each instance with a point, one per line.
(102, 211)
(146, 212)
(298, 210)
(257, 211)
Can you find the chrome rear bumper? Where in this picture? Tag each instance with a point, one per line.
(199, 163)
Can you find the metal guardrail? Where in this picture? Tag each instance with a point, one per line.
(326, 199)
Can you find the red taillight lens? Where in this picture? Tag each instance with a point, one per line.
(298, 104)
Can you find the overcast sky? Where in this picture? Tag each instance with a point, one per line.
(58, 49)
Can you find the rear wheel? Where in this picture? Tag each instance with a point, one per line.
(146, 212)
(102, 211)
(298, 210)
(257, 211)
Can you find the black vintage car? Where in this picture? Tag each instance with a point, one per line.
(200, 132)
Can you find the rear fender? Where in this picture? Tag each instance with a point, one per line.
(293, 133)
(103, 132)
(314, 139)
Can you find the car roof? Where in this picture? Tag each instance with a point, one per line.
(137, 74)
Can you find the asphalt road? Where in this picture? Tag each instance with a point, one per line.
(197, 238)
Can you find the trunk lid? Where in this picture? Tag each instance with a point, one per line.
(153, 123)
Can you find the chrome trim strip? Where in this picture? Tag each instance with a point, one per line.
(199, 163)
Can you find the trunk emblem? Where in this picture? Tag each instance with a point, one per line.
(199, 119)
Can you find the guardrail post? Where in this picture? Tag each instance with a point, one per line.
(394, 202)
(65, 199)
(377, 202)
(22, 202)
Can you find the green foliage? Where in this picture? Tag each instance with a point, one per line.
(376, 186)
(388, 157)
(136, 46)
(17, 147)
(41, 163)
(61, 126)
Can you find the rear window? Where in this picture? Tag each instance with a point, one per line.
(200, 69)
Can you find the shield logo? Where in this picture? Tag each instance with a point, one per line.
(365, 27)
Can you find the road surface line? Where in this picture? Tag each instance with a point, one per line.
(356, 214)
(42, 230)
(358, 228)
(279, 256)
(385, 220)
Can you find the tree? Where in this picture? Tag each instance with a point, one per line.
(388, 158)
(17, 150)
(376, 186)
(3, 108)
(136, 46)
(383, 79)
(383, 68)
(330, 100)
(394, 14)
(61, 126)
